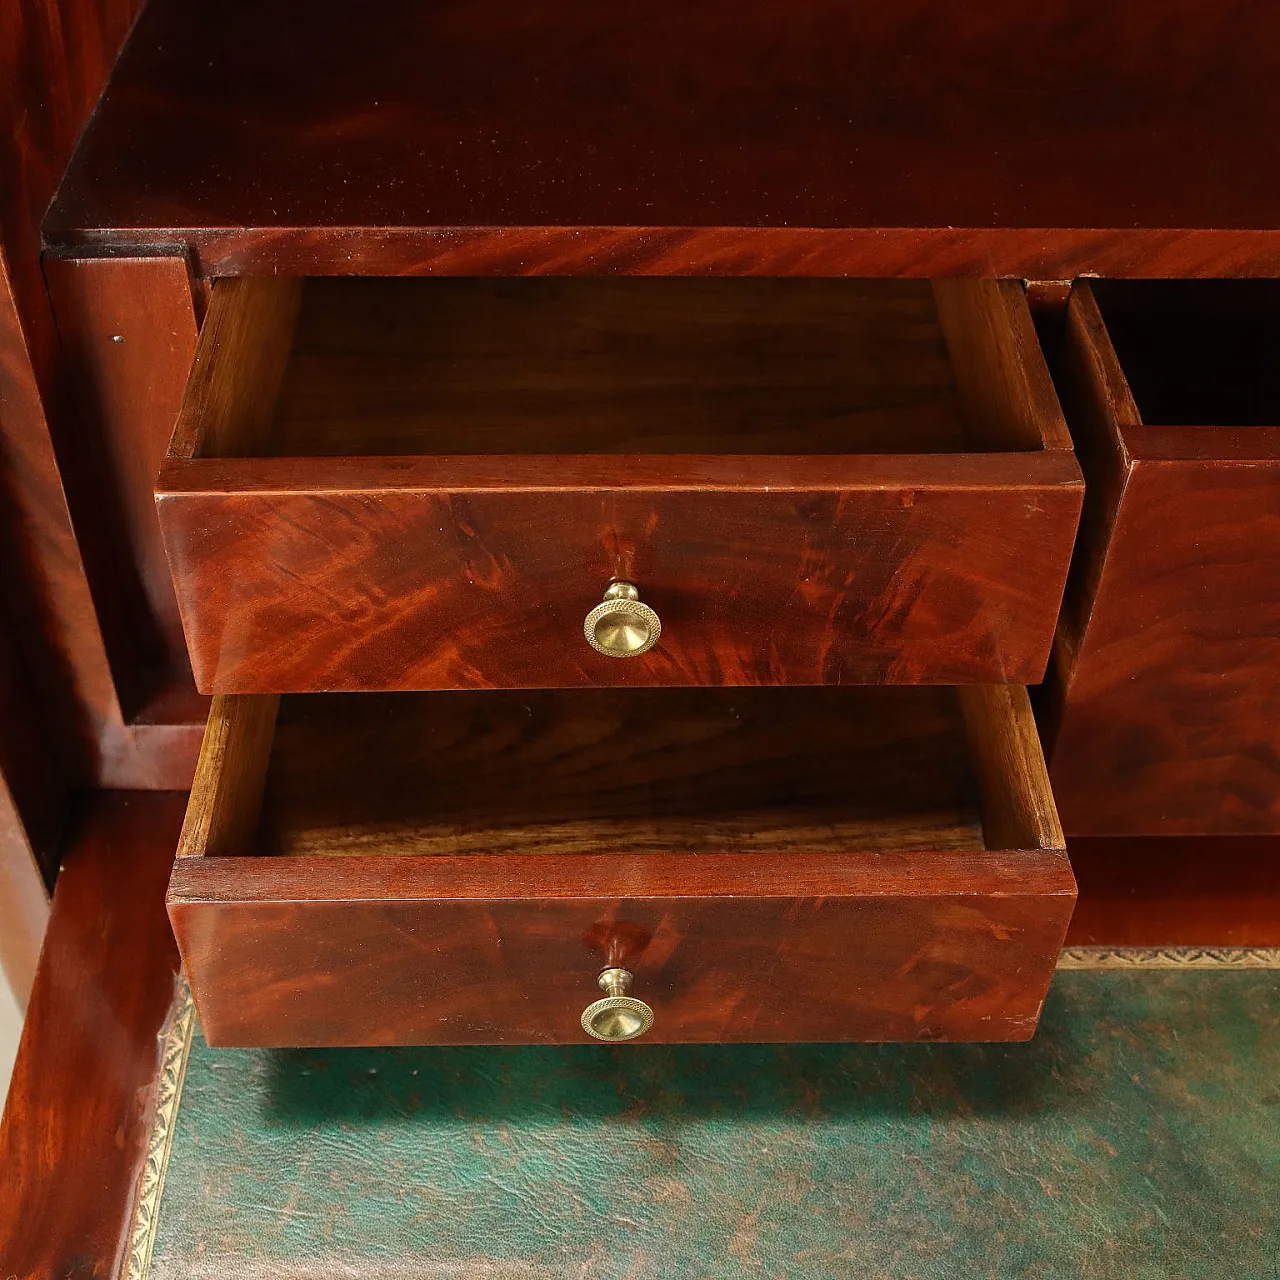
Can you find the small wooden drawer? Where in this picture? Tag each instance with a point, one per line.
(1166, 692)
(769, 864)
(428, 483)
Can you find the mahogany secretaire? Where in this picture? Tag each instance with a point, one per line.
(628, 524)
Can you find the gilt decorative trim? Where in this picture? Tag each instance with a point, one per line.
(175, 1051)
(1170, 958)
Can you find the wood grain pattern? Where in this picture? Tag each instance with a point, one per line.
(1166, 689)
(593, 771)
(1017, 802)
(1003, 382)
(227, 790)
(738, 849)
(475, 569)
(851, 139)
(409, 367)
(76, 1123)
(250, 329)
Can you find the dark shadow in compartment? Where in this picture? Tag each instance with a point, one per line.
(1197, 352)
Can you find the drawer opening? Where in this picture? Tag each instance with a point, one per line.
(786, 772)
(402, 367)
(1196, 352)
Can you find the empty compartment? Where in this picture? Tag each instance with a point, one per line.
(1197, 352)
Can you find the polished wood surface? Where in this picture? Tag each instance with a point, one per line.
(54, 59)
(1166, 697)
(128, 331)
(738, 850)
(77, 1119)
(566, 137)
(1183, 891)
(467, 567)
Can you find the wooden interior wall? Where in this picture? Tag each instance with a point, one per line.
(57, 694)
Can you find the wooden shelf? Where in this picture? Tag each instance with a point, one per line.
(1117, 136)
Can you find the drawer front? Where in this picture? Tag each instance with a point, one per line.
(916, 947)
(1166, 698)
(352, 575)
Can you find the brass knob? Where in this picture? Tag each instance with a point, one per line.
(620, 626)
(618, 1016)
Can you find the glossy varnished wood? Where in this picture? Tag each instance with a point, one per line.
(1165, 693)
(732, 138)
(77, 1120)
(739, 850)
(56, 690)
(128, 331)
(801, 476)
(1181, 891)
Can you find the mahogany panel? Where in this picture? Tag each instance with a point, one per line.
(855, 947)
(77, 1120)
(933, 573)
(1167, 684)
(128, 335)
(728, 138)
(1184, 891)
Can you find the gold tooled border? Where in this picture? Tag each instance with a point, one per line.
(175, 1051)
(1170, 958)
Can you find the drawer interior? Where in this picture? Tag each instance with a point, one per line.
(637, 771)
(364, 367)
(1197, 352)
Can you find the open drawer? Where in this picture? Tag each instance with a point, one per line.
(767, 864)
(1165, 708)
(428, 483)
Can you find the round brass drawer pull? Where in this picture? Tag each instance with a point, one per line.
(618, 1016)
(620, 626)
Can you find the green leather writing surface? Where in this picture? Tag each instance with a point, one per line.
(1136, 1138)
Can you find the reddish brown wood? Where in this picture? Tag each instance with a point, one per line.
(1167, 685)
(771, 864)
(396, 574)
(757, 508)
(1212, 891)
(408, 951)
(24, 901)
(76, 1124)
(54, 59)
(847, 138)
(128, 336)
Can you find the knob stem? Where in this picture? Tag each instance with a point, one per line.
(614, 982)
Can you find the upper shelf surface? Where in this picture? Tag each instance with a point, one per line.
(821, 136)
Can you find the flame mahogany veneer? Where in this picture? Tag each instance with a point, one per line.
(417, 484)
(772, 864)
